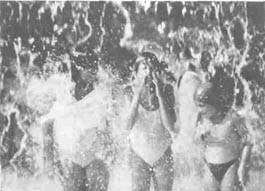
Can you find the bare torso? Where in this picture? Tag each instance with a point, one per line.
(148, 137)
(226, 134)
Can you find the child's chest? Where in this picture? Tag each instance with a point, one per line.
(222, 130)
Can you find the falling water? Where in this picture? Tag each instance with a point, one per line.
(41, 43)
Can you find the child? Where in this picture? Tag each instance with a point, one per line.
(224, 136)
(151, 121)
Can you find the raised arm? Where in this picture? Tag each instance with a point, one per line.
(168, 115)
(133, 111)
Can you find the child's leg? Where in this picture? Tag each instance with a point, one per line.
(97, 176)
(141, 173)
(74, 176)
(164, 172)
(230, 181)
(209, 181)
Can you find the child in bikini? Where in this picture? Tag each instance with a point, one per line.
(225, 138)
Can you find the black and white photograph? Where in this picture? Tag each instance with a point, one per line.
(132, 95)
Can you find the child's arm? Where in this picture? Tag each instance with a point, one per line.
(243, 169)
(199, 135)
(245, 152)
(133, 111)
(166, 104)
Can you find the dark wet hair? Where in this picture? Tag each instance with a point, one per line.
(88, 61)
(205, 60)
(187, 53)
(224, 88)
(218, 93)
(153, 60)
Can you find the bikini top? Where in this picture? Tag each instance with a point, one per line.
(233, 121)
(216, 130)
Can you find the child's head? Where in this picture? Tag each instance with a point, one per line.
(204, 98)
(145, 66)
(147, 63)
(209, 101)
(203, 94)
(205, 61)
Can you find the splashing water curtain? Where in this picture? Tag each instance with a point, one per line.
(53, 51)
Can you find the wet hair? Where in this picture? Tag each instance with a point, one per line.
(86, 62)
(192, 67)
(187, 53)
(152, 59)
(218, 93)
(156, 65)
(224, 88)
(205, 60)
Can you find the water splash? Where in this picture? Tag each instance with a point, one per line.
(47, 89)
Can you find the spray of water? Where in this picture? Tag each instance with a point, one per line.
(49, 92)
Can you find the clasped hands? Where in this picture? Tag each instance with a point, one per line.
(156, 79)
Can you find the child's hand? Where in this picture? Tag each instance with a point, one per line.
(157, 81)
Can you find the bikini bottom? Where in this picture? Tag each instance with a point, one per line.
(161, 172)
(219, 170)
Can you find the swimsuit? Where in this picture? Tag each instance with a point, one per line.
(149, 138)
(219, 170)
(150, 143)
(161, 172)
(230, 147)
